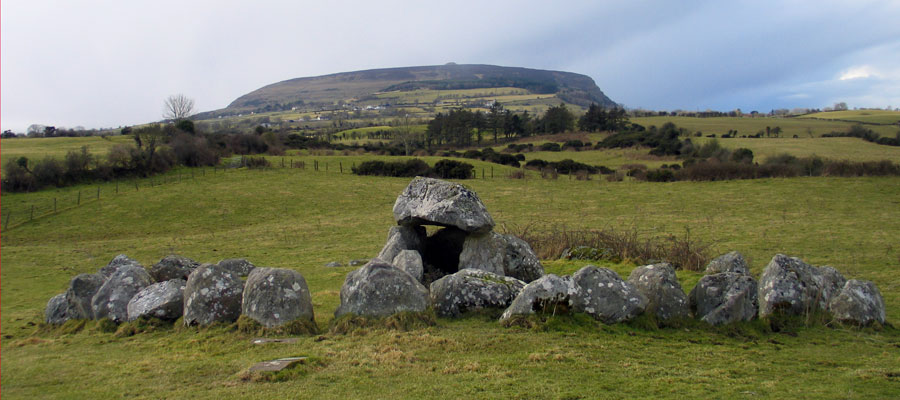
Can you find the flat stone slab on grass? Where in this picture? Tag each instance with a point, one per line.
(277, 365)
(267, 340)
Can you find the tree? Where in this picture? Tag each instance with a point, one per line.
(178, 107)
(405, 134)
(558, 120)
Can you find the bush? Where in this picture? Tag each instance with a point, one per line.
(550, 146)
(573, 144)
(408, 168)
(661, 175)
(452, 169)
(536, 164)
(255, 162)
(569, 166)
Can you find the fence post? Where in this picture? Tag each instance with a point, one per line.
(282, 162)
(326, 167)
(482, 173)
(136, 186)
(492, 172)
(341, 164)
(54, 205)
(79, 199)
(8, 216)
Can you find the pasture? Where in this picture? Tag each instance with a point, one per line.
(301, 219)
(880, 117)
(57, 147)
(802, 127)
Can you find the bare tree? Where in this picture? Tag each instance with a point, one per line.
(178, 107)
(405, 134)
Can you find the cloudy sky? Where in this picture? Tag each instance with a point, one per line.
(112, 63)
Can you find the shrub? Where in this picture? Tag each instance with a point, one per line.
(550, 146)
(661, 175)
(16, 177)
(536, 164)
(569, 166)
(473, 154)
(517, 174)
(255, 162)
(408, 168)
(48, 172)
(452, 169)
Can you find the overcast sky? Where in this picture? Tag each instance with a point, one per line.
(111, 63)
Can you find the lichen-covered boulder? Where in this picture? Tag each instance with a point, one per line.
(547, 294)
(730, 262)
(483, 252)
(520, 261)
(411, 262)
(830, 282)
(274, 297)
(239, 266)
(212, 294)
(787, 285)
(111, 300)
(379, 290)
(173, 267)
(660, 286)
(57, 310)
(859, 303)
(724, 298)
(403, 238)
(472, 289)
(428, 201)
(80, 293)
(163, 300)
(117, 262)
(602, 294)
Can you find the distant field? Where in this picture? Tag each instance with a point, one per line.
(37, 148)
(802, 127)
(867, 116)
(841, 148)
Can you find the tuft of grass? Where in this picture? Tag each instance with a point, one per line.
(404, 322)
(248, 325)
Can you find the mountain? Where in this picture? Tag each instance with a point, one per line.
(362, 86)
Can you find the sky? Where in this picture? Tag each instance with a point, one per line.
(102, 64)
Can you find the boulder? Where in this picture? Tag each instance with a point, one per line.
(483, 252)
(111, 300)
(379, 290)
(212, 294)
(80, 293)
(724, 298)
(830, 282)
(730, 262)
(173, 267)
(411, 262)
(274, 297)
(356, 263)
(789, 285)
(403, 238)
(660, 286)
(602, 294)
(334, 264)
(57, 310)
(547, 294)
(471, 289)
(520, 261)
(428, 201)
(163, 300)
(117, 262)
(859, 303)
(239, 266)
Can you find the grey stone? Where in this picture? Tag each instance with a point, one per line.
(212, 294)
(403, 238)
(356, 263)
(859, 303)
(547, 294)
(239, 266)
(80, 293)
(57, 310)
(411, 262)
(334, 264)
(111, 300)
(483, 252)
(724, 298)
(520, 261)
(173, 267)
(660, 286)
(602, 294)
(789, 285)
(471, 289)
(830, 282)
(163, 300)
(277, 365)
(730, 262)
(428, 201)
(378, 290)
(117, 262)
(274, 297)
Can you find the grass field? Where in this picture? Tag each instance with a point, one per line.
(840, 148)
(57, 147)
(882, 117)
(802, 127)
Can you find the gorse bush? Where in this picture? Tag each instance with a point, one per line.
(446, 169)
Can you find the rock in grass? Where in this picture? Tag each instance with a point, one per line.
(117, 262)
(724, 298)
(428, 201)
(334, 264)
(212, 294)
(378, 290)
(471, 289)
(163, 300)
(859, 303)
(730, 262)
(602, 294)
(403, 238)
(501, 254)
(520, 260)
(548, 294)
(274, 297)
(80, 293)
(111, 300)
(356, 263)
(239, 266)
(57, 310)
(830, 283)
(660, 286)
(173, 267)
(411, 262)
(789, 285)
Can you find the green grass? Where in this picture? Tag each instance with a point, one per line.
(840, 148)
(802, 127)
(57, 147)
(881, 117)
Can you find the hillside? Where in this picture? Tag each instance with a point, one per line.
(362, 88)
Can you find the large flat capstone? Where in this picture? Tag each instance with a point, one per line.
(428, 201)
